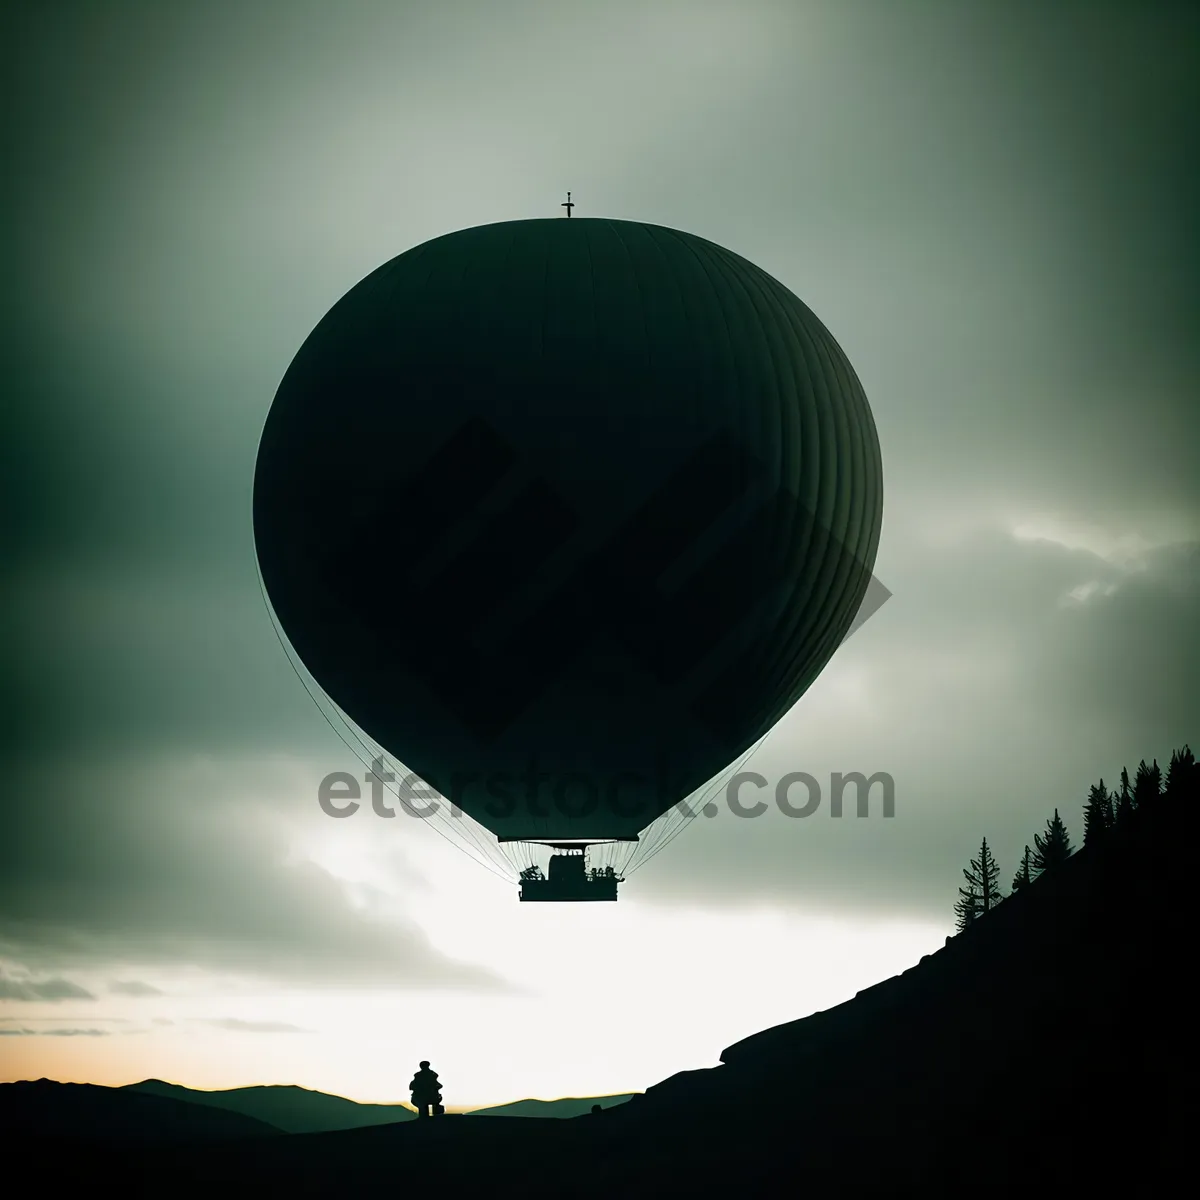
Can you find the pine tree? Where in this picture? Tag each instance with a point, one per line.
(982, 892)
(1182, 774)
(966, 908)
(1053, 848)
(1147, 785)
(1023, 877)
(1124, 802)
(1097, 814)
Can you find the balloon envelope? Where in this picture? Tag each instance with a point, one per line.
(567, 514)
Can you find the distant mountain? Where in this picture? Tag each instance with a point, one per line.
(301, 1110)
(567, 1107)
(287, 1107)
(45, 1109)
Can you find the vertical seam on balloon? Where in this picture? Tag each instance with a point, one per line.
(462, 300)
(750, 278)
(809, 642)
(799, 627)
(789, 680)
(595, 320)
(716, 308)
(710, 268)
(808, 667)
(871, 525)
(693, 348)
(501, 280)
(874, 454)
(545, 301)
(707, 270)
(834, 626)
(637, 283)
(731, 375)
(835, 546)
(870, 459)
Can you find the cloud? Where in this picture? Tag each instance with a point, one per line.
(44, 989)
(254, 1026)
(56, 1032)
(104, 1020)
(188, 865)
(133, 988)
(1000, 245)
(941, 702)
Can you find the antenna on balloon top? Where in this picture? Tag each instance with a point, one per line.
(568, 205)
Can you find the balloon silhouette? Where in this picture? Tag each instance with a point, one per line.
(567, 515)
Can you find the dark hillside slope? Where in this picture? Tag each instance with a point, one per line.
(1046, 1049)
(1049, 1038)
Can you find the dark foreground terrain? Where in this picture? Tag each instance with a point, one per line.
(1045, 1049)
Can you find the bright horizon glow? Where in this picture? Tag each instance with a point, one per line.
(706, 983)
(631, 993)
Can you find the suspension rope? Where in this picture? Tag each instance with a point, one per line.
(694, 810)
(304, 683)
(480, 837)
(440, 822)
(378, 754)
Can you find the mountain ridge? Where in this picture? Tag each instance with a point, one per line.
(46, 1108)
(250, 1098)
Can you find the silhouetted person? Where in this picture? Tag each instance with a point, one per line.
(597, 1108)
(426, 1092)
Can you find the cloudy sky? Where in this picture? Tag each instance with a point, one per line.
(991, 213)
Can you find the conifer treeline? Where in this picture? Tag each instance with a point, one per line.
(1105, 814)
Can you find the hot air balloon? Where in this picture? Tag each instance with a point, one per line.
(565, 515)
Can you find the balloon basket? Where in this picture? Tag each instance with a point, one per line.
(568, 890)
